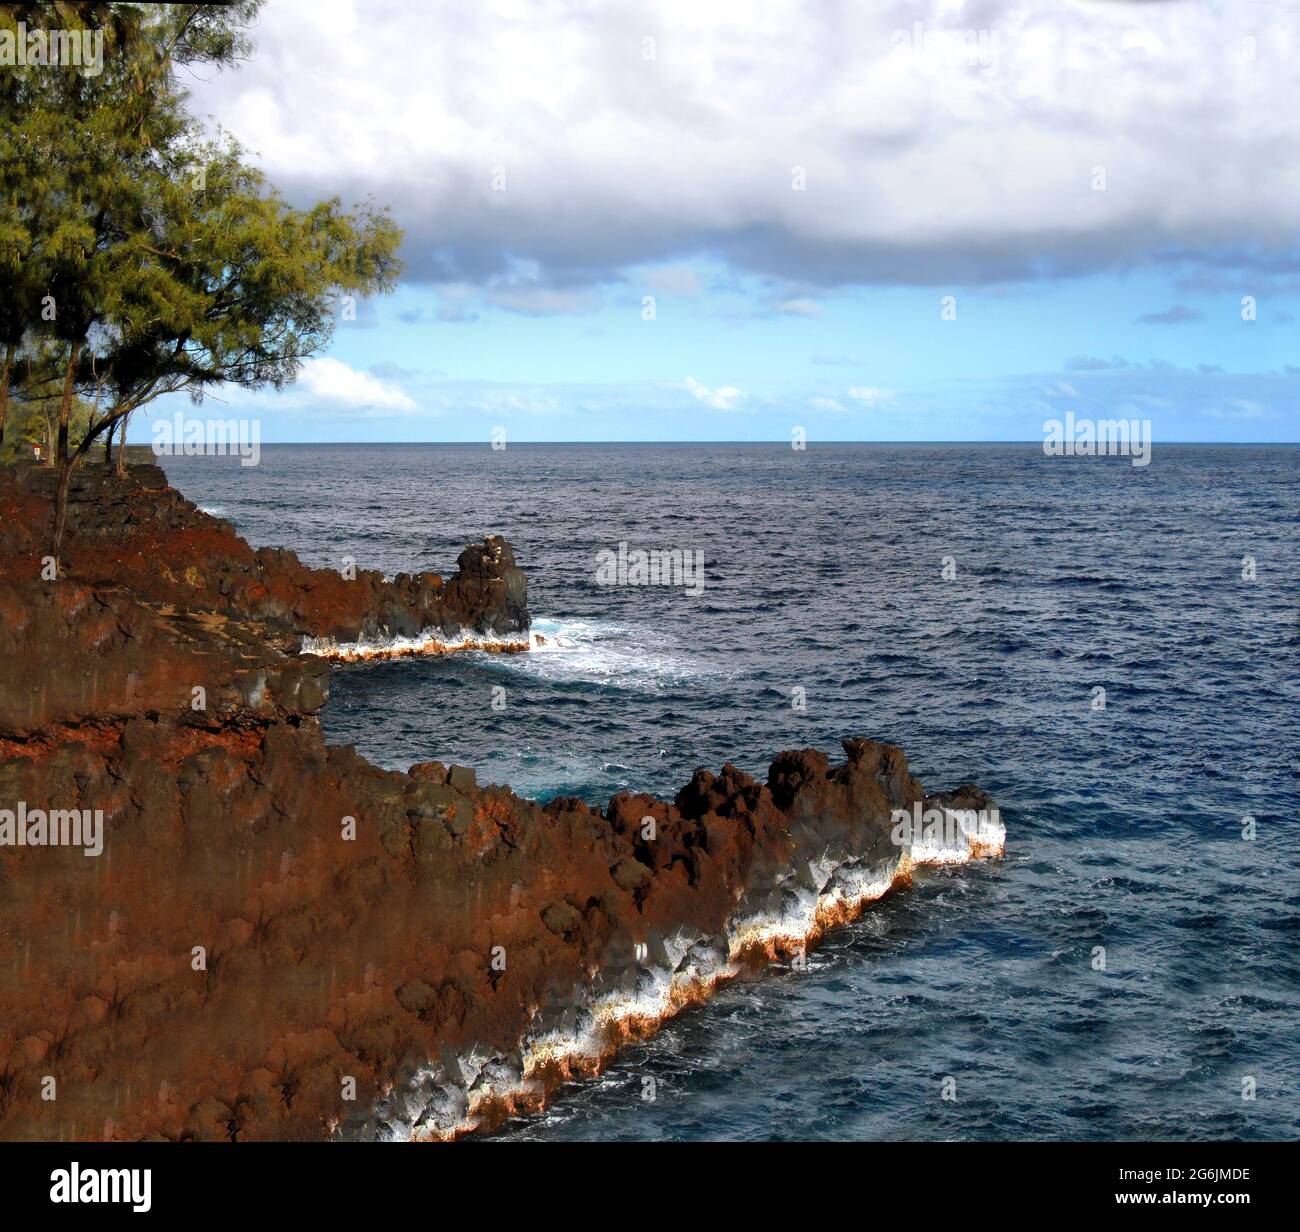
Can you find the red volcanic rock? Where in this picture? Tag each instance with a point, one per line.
(141, 535)
(280, 940)
(75, 652)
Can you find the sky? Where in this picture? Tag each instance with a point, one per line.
(675, 220)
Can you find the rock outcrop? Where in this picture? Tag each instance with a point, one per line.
(280, 940)
(142, 536)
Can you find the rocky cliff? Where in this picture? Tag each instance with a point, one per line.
(280, 940)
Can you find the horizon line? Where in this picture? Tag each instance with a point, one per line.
(513, 443)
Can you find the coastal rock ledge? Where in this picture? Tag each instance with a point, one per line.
(278, 939)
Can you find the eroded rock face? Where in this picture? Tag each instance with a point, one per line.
(280, 940)
(74, 652)
(143, 536)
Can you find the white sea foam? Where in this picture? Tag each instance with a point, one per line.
(966, 833)
(633, 658)
(599, 652)
(431, 642)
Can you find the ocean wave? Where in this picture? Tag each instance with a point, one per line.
(635, 658)
(431, 642)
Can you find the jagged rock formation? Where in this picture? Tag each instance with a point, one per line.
(144, 537)
(280, 940)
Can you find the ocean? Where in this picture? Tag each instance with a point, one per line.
(1111, 651)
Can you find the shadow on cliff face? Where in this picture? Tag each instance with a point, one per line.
(280, 940)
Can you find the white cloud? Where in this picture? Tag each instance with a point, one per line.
(920, 167)
(673, 279)
(832, 359)
(868, 395)
(1240, 408)
(801, 306)
(536, 301)
(723, 398)
(1062, 389)
(330, 380)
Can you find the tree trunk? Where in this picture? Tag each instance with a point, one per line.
(4, 391)
(121, 445)
(61, 509)
(65, 460)
(65, 406)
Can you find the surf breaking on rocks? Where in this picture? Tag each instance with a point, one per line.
(429, 644)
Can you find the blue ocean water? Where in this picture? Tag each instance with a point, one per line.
(824, 571)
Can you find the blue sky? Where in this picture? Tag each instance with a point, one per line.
(798, 189)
